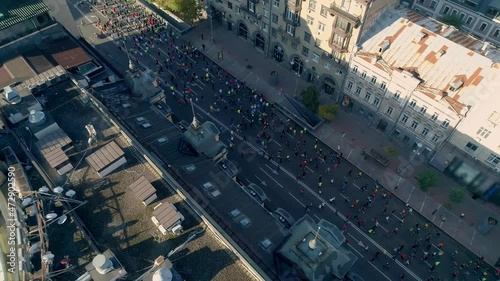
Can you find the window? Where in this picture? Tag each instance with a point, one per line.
(358, 90)
(339, 72)
(445, 123)
(434, 117)
(413, 103)
(363, 75)
(290, 29)
(275, 18)
(425, 131)
(469, 21)
(323, 11)
(349, 85)
(294, 45)
(310, 20)
(497, 33)
(470, 147)
(374, 80)
(305, 51)
(414, 125)
(315, 57)
(389, 111)
(341, 25)
(483, 26)
(423, 109)
(421, 1)
(229, 5)
(397, 95)
(327, 64)
(251, 6)
(338, 40)
(276, 3)
(454, 12)
(265, 27)
(446, 10)
(376, 101)
(368, 96)
(404, 119)
(274, 32)
(493, 159)
(266, 13)
(291, 15)
(433, 5)
(435, 138)
(284, 39)
(482, 132)
(312, 5)
(317, 43)
(307, 37)
(462, 16)
(383, 86)
(321, 26)
(355, 69)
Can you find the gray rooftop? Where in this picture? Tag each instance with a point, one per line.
(166, 214)
(328, 259)
(142, 188)
(104, 156)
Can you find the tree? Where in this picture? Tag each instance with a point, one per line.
(187, 10)
(454, 20)
(427, 179)
(391, 150)
(310, 98)
(328, 111)
(457, 195)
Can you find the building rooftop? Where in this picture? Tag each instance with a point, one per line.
(482, 6)
(14, 12)
(71, 57)
(15, 70)
(323, 261)
(104, 156)
(142, 188)
(451, 65)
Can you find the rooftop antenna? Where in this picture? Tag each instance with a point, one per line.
(312, 243)
(195, 123)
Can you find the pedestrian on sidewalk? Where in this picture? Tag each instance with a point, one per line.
(202, 37)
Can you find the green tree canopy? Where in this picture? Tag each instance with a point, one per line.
(328, 111)
(457, 195)
(310, 98)
(427, 179)
(454, 20)
(187, 10)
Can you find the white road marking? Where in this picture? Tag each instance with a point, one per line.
(297, 200)
(271, 178)
(379, 271)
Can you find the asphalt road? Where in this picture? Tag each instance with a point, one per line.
(284, 190)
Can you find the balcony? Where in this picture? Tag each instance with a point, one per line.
(339, 46)
(244, 9)
(336, 11)
(294, 5)
(294, 20)
(290, 37)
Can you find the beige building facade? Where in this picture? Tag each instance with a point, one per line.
(410, 80)
(312, 38)
(431, 88)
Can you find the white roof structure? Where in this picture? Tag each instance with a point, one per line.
(442, 57)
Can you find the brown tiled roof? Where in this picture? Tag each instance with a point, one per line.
(71, 58)
(15, 70)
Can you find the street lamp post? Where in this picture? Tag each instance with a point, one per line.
(209, 14)
(131, 65)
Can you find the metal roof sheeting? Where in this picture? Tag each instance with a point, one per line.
(104, 156)
(142, 188)
(16, 11)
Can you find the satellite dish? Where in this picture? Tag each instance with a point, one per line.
(162, 274)
(58, 190)
(27, 201)
(49, 257)
(51, 216)
(70, 193)
(43, 189)
(62, 219)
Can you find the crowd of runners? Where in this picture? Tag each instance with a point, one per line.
(179, 67)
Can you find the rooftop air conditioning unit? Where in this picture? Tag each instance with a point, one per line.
(102, 264)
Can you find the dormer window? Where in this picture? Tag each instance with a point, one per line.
(441, 53)
(421, 36)
(384, 46)
(456, 85)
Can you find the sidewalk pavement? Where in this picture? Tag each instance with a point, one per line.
(353, 136)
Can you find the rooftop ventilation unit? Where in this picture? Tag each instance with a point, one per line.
(12, 96)
(102, 264)
(384, 46)
(36, 117)
(162, 274)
